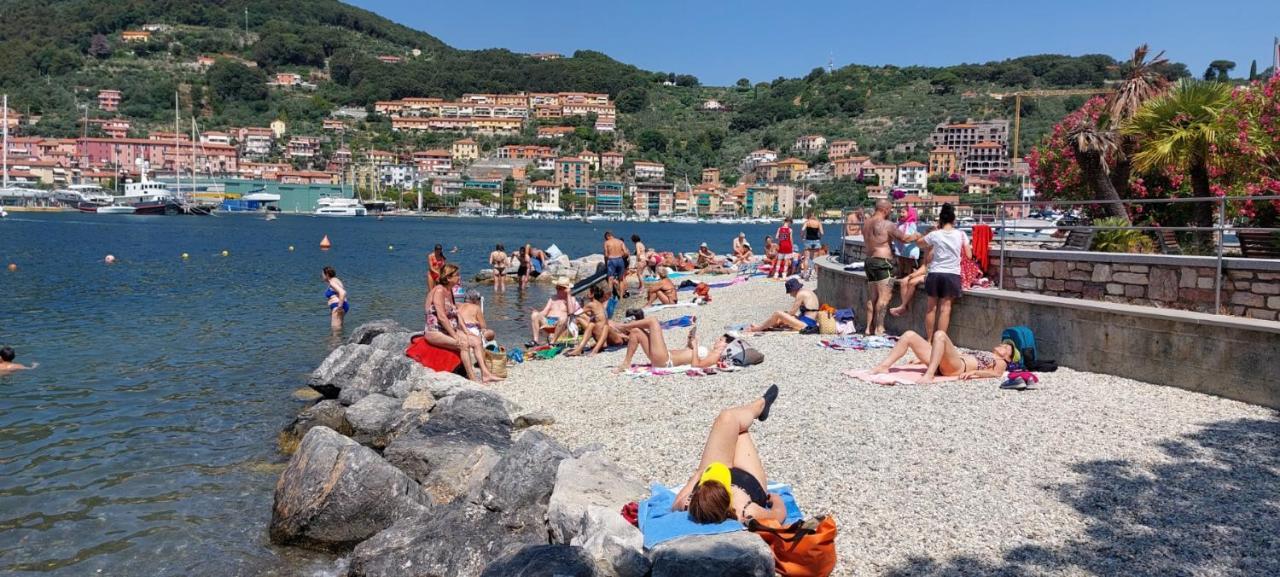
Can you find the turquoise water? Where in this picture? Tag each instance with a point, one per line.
(144, 444)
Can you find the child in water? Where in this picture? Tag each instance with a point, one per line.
(6, 361)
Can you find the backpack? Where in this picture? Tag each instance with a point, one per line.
(1024, 339)
(806, 548)
(742, 354)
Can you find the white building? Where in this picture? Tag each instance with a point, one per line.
(754, 159)
(913, 177)
(645, 170)
(810, 143)
(403, 176)
(543, 196)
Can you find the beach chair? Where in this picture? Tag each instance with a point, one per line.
(1259, 243)
(1167, 240)
(1080, 239)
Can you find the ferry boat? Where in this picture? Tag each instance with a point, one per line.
(331, 206)
(145, 197)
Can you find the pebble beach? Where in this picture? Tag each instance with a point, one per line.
(1087, 474)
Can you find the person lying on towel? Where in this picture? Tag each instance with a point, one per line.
(646, 333)
(946, 359)
(729, 482)
(598, 327)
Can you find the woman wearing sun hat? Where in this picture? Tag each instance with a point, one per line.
(729, 482)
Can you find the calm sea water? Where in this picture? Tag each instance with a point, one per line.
(144, 444)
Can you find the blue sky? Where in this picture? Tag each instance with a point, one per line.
(722, 41)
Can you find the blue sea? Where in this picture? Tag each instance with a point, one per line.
(144, 443)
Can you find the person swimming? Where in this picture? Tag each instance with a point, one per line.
(7, 365)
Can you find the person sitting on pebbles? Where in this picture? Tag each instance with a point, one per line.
(558, 308)
(598, 327)
(730, 481)
(472, 316)
(946, 359)
(664, 291)
(800, 316)
(646, 334)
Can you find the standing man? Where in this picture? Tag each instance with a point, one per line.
(877, 232)
(615, 262)
(786, 250)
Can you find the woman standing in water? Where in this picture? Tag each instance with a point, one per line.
(336, 295)
(498, 260)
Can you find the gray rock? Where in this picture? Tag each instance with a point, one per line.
(543, 561)
(352, 371)
(585, 510)
(457, 539)
(535, 418)
(335, 493)
(327, 413)
(372, 418)
(394, 342)
(442, 385)
(454, 451)
(738, 554)
(520, 484)
(365, 333)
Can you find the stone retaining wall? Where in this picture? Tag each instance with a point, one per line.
(1214, 354)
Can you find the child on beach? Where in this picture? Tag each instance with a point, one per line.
(7, 365)
(785, 250)
(909, 285)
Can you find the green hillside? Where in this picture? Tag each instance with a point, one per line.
(56, 55)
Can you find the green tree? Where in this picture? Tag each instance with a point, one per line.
(945, 82)
(1253, 70)
(99, 47)
(1093, 147)
(233, 81)
(1180, 128)
(652, 141)
(743, 84)
(1219, 70)
(1142, 81)
(632, 100)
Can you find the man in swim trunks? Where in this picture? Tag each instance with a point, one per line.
(877, 232)
(558, 308)
(615, 261)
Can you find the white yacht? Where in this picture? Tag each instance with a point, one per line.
(116, 209)
(332, 206)
(88, 193)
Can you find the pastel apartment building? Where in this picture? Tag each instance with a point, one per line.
(810, 144)
(255, 142)
(756, 158)
(162, 155)
(987, 141)
(435, 161)
(488, 126)
(851, 167)
(611, 161)
(986, 158)
(711, 176)
(645, 170)
(886, 175)
(216, 137)
(943, 162)
(135, 36)
(653, 198)
(842, 149)
(913, 177)
(465, 150)
(303, 147)
(543, 196)
(554, 132)
(573, 172)
(109, 100)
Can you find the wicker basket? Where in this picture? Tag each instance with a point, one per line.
(497, 362)
(826, 323)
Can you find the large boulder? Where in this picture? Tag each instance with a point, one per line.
(737, 554)
(335, 493)
(365, 333)
(585, 510)
(455, 450)
(377, 419)
(520, 484)
(457, 539)
(396, 342)
(352, 371)
(543, 561)
(327, 413)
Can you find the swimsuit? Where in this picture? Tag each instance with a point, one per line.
(330, 293)
(878, 269)
(616, 266)
(749, 485)
(433, 321)
(812, 238)
(985, 360)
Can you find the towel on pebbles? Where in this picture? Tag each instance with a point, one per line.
(687, 370)
(903, 375)
(656, 308)
(660, 524)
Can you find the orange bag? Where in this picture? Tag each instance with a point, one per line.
(806, 548)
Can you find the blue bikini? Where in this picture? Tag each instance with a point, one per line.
(330, 293)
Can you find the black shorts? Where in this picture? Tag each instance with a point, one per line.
(943, 285)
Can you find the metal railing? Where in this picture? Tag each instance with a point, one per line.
(1002, 211)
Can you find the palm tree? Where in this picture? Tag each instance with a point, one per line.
(1142, 82)
(1093, 146)
(1179, 129)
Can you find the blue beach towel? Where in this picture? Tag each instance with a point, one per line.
(660, 524)
(683, 321)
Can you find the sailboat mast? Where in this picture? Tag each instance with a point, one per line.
(177, 146)
(6, 142)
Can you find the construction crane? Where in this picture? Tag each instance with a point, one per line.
(1017, 106)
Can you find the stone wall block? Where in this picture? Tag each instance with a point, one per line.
(1134, 291)
(1041, 269)
(1115, 288)
(1061, 269)
(1164, 284)
(1130, 278)
(1101, 272)
(1248, 299)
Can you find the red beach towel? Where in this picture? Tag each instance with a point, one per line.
(982, 245)
(434, 358)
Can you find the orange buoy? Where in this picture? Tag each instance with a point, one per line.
(324, 243)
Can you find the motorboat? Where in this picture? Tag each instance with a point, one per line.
(333, 206)
(75, 194)
(116, 209)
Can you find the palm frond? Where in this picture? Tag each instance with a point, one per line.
(1179, 127)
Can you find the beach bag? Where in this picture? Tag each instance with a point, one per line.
(970, 274)
(806, 548)
(826, 323)
(497, 362)
(1025, 340)
(742, 354)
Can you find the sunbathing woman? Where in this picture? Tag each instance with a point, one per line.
(597, 326)
(664, 291)
(444, 331)
(729, 482)
(946, 359)
(801, 315)
(646, 334)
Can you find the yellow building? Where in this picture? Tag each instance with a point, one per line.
(465, 150)
(943, 162)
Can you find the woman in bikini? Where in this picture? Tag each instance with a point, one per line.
(443, 329)
(597, 326)
(730, 482)
(646, 334)
(498, 260)
(335, 293)
(435, 261)
(801, 316)
(946, 359)
(664, 291)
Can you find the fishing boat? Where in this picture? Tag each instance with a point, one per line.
(332, 206)
(145, 197)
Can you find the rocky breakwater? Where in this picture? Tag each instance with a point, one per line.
(411, 472)
(563, 267)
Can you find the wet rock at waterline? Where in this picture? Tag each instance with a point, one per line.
(543, 561)
(352, 371)
(396, 342)
(327, 413)
(336, 493)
